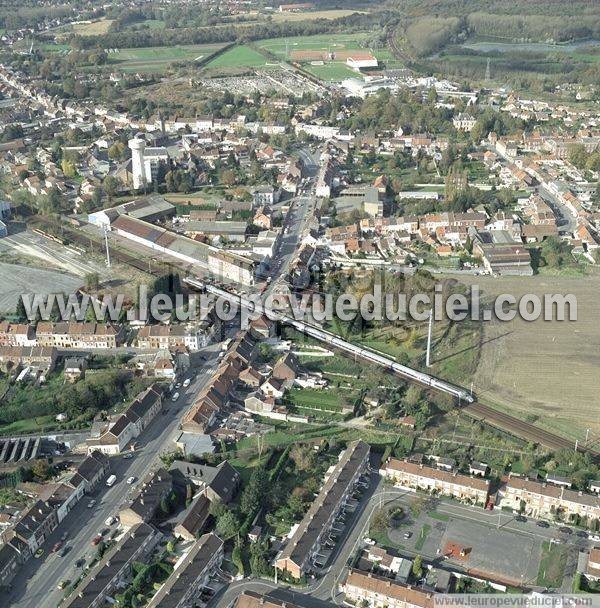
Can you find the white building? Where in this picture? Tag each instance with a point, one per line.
(145, 162)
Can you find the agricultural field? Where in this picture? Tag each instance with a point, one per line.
(545, 372)
(239, 57)
(314, 15)
(156, 59)
(95, 28)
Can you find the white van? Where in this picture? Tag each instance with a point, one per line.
(111, 480)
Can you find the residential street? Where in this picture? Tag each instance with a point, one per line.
(36, 583)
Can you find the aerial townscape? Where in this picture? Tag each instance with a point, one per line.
(192, 194)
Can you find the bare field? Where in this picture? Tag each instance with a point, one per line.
(546, 372)
(94, 28)
(313, 15)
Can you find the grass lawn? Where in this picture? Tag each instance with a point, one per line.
(238, 56)
(552, 565)
(154, 59)
(317, 399)
(423, 534)
(30, 425)
(438, 516)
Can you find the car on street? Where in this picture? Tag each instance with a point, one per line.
(581, 533)
(39, 553)
(187, 382)
(64, 536)
(542, 524)
(176, 395)
(178, 385)
(520, 518)
(594, 537)
(128, 456)
(565, 530)
(64, 551)
(57, 546)
(63, 584)
(130, 480)
(80, 563)
(96, 539)
(91, 504)
(110, 521)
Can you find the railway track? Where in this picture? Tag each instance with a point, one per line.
(524, 430)
(491, 416)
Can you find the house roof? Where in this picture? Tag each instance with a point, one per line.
(385, 587)
(187, 572)
(426, 472)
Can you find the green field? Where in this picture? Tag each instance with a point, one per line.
(334, 71)
(331, 42)
(317, 399)
(552, 565)
(240, 56)
(156, 59)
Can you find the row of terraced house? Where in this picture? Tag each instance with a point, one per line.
(551, 499)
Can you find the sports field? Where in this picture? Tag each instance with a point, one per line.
(156, 59)
(332, 50)
(544, 371)
(239, 56)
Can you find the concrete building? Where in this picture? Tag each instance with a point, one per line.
(297, 556)
(145, 504)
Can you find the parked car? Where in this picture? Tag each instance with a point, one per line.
(64, 584)
(128, 456)
(130, 480)
(96, 539)
(39, 553)
(542, 524)
(110, 521)
(594, 537)
(91, 504)
(57, 546)
(521, 518)
(80, 563)
(64, 551)
(175, 397)
(186, 382)
(565, 530)
(581, 533)
(64, 536)
(407, 535)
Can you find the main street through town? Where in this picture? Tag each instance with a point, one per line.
(37, 581)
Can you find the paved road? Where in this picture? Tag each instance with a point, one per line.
(36, 583)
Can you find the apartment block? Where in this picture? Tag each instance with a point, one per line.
(296, 557)
(114, 567)
(191, 574)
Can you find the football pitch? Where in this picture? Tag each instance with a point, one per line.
(155, 59)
